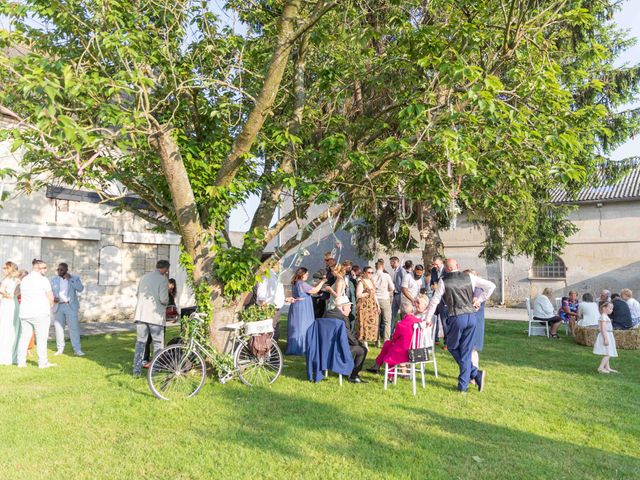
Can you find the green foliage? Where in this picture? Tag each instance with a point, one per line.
(444, 104)
(202, 293)
(256, 313)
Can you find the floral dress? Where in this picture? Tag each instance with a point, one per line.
(367, 315)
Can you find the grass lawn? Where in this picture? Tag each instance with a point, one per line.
(545, 413)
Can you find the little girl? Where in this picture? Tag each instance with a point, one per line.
(606, 342)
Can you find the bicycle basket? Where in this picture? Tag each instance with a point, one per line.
(258, 328)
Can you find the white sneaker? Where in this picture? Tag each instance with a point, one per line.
(59, 352)
(79, 353)
(22, 365)
(48, 365)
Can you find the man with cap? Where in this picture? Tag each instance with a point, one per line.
(358, 352)
(457, 288)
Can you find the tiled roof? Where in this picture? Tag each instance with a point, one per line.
(625, 188)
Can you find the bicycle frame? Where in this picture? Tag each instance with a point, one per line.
(236, 341)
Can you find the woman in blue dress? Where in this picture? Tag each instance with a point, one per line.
(300, 312)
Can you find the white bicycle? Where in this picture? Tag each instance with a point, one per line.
(178, 371)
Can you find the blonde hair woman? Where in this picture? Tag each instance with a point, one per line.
(9, 321)
(338, 288)
(634, 306)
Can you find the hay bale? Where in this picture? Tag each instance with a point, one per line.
(625, 339)
(586, 335)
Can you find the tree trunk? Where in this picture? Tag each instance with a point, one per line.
(429, 232)
(221, 315)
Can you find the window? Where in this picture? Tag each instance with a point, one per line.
(554, 269)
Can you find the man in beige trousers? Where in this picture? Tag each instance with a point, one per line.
(150, 315)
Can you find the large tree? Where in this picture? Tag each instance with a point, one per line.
(368, 107)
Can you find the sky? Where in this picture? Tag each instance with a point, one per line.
(629, 18)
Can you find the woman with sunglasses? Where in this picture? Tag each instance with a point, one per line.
(368, 310)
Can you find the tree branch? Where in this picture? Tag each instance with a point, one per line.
(270, 197)
(265, 99)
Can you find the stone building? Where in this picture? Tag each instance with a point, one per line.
(109, 251)
(603, 253)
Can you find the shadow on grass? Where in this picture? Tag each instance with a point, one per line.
(414, 443)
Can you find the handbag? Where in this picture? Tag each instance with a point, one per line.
(171, 312)
(417, 355)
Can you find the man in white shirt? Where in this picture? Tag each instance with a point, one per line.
(270, 291)
(66, 306)
(457, 289)
(411, 285)
(384, 292)
(35, 313)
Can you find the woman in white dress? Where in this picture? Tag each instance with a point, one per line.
(338, 288)
(9, 322)
(605, 342)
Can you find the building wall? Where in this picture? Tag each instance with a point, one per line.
(604, 253)
(109, 251)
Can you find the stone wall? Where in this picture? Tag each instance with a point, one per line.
(604, 253)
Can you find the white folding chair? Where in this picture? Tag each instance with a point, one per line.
(419, 339)
(326, 375)
(536, 324)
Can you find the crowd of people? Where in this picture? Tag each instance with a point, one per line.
(28, 303)
(586, 313)
(380, 306)
(612, 311)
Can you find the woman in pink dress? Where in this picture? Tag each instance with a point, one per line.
(395, 351)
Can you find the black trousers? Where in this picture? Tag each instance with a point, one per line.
(359, 355)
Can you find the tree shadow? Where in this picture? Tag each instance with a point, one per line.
(415, 443)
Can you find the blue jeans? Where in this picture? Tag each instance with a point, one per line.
(460, 333)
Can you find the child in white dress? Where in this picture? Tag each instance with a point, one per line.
(605, 342)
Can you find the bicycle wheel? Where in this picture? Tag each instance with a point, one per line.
(257, 371)
(176, 372)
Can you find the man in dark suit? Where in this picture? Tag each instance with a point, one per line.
(358, 352)
(437, 272)
(621, 316)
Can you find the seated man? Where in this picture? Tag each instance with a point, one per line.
(621, 315)
(543, 310)
(395, 351)
(358, 352)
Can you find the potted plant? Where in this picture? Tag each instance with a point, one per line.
(258, 319)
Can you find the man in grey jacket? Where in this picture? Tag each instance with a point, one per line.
(150, 314)
(66, 306)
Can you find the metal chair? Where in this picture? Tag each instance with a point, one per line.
(419, 339)
(326, 375)
(535, 324)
